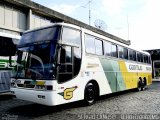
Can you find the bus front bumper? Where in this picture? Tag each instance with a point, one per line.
(40, 97)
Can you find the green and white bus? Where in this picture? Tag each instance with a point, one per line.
(63, 63)
(8, 49)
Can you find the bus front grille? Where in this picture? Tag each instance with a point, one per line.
(26, 86)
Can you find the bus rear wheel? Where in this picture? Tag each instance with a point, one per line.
(90, 94)
(144, 83)
(139, 86)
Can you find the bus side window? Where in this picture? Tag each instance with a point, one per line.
(71, 36)
(134, 56)
(114, 51)
(90, 44)
(121, 52)
(107, 48)
(125, 53)
(93, 45)
(149, 60)
(138, 57)
(130, 54)
(141, 57)
(145, 59)
(99, 47)
(70, 56)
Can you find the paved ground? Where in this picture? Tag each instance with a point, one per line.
(123, 105)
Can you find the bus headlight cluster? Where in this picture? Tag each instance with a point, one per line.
(44, 87)
(40, 87)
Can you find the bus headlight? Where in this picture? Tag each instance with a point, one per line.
(49, 87)
(40, 87)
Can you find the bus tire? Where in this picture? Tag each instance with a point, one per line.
(143, 84)
(90, 94)
(139, 86)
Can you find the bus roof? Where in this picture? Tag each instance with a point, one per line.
(97, 33)
(127, 42)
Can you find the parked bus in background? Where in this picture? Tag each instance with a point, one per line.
(63, 63)
(8, 49)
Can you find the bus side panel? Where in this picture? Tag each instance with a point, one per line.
(130, 78)
(109, 73)
(120, 82)
(149, 79)
(114, 77)
(94, 71)
(120, 77)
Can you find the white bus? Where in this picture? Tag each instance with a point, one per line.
(63, 63)
(8, 49)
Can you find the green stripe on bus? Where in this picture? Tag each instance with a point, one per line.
(6, 61)
(113, 74)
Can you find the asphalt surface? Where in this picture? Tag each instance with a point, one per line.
(124, 105)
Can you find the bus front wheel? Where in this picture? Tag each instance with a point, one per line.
(90, 94)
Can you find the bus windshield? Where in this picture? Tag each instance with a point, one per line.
(36, 57)
(36, 62)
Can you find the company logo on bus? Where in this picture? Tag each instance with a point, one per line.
(68, 93)
(139, 68)
(135, 67)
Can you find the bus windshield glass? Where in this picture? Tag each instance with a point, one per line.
(37, 60)
(40, 36)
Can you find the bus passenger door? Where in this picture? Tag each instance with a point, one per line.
(65, 64)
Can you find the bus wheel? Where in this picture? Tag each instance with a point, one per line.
(143, 84)
(90, 94)
(139, 86)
